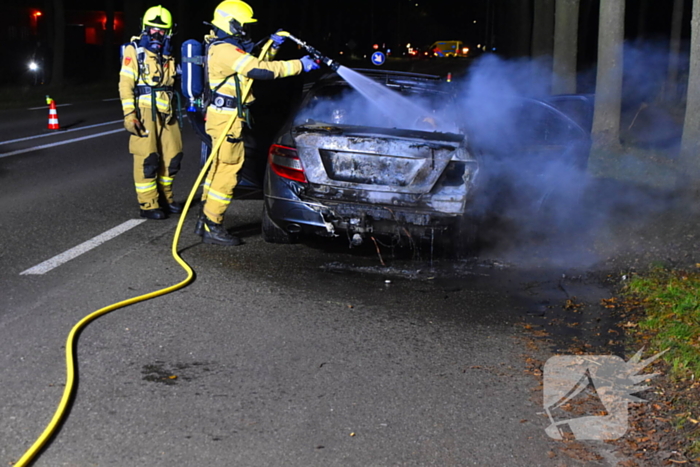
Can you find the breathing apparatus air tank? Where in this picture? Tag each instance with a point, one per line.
(193, 73)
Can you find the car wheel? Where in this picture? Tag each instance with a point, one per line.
(272, 233)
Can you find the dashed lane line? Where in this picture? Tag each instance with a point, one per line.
(61, 132)
(60, 143)
(84, 247)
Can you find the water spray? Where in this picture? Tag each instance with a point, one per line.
(388, 101)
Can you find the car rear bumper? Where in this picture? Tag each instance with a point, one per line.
(291, 208)
(329, 219)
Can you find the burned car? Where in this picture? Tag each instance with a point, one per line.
(381, 159)
(338, 167)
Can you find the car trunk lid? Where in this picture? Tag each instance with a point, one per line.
(390, 160)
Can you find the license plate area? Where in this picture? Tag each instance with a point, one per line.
(371, 169)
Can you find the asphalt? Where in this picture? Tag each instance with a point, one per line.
(308, 354)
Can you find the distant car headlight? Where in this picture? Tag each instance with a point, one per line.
(33, 66)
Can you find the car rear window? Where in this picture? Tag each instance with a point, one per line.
(339, 104)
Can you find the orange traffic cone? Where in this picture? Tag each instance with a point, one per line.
(53, 115)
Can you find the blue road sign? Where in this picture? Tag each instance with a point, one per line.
(378, 58)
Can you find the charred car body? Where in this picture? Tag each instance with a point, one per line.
(329, 174)
(339, 167)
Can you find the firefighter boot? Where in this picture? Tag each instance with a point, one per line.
(199, 226)
(156, 214)
(175, 207)
(216, 234)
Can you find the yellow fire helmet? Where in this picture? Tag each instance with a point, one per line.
(158, 17)
(231, 15)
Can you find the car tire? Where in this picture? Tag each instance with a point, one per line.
(272, 233)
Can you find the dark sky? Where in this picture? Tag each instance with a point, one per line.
(363, 21)
(333, 23)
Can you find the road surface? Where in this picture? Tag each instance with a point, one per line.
(299, 355)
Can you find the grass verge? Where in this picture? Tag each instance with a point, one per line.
(671, 300)
(666, 305)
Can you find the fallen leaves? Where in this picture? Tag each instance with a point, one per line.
(533, 366)
(627, 463)
(573, 305)
(578, 451)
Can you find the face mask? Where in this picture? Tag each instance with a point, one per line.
(237, 29)
(156, 35)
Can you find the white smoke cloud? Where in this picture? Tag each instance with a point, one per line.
(537, 196)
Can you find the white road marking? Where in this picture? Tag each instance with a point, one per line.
(61, 132)
(68, 255)
(60, 143)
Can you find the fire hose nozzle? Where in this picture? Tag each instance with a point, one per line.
(317, 56)
(332, 64)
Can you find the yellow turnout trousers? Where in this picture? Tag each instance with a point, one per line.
(223, 173)
(157, 158)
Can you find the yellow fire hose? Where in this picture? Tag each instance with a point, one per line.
(70, 358)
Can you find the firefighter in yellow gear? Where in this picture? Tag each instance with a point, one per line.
(230, 67)
(146, 91)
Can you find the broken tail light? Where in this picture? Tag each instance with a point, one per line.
(285, 163)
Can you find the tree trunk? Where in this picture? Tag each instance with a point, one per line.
(110, 62)
(690, 144)
(565, 46)
(59, 43)
(608, 89)
(675, 50)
